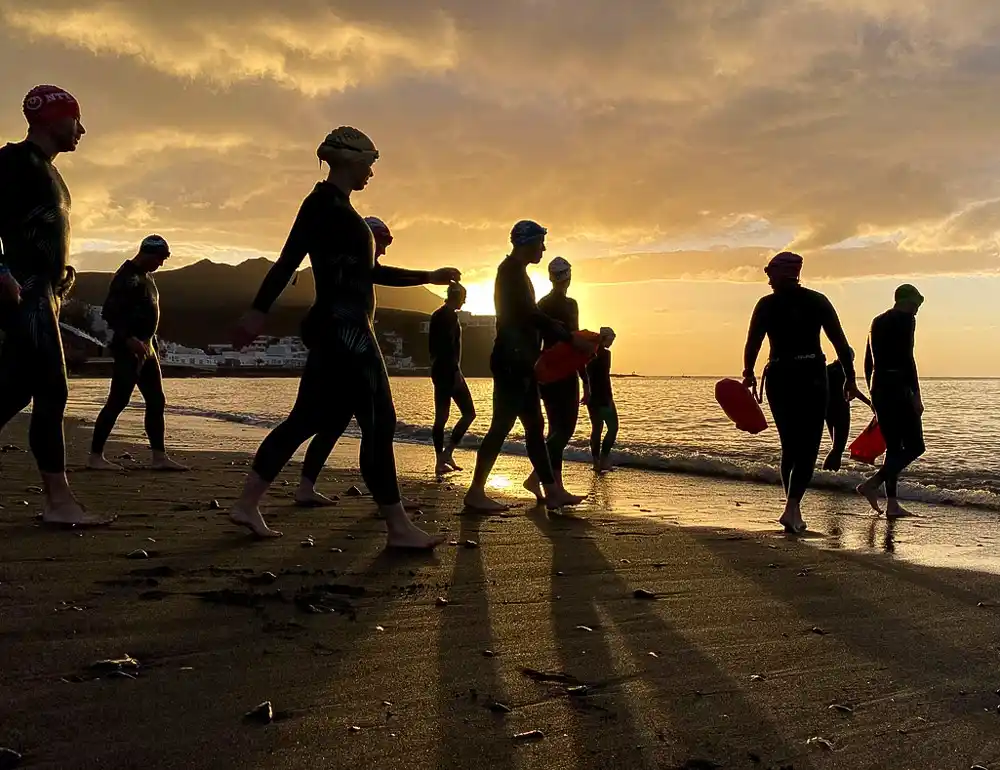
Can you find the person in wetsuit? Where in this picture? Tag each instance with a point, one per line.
(444, 341)
(838, 414)
(795, 377)
(132, 312)
(520, 326)
(321, 446)
(891, 372)
(561, 399)
(34, 280)
(345, 373)
(601, 405)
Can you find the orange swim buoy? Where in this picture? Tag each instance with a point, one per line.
(740, 406)
(563, 360)
(870, 445)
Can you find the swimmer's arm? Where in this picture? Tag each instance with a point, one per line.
(833, 329)
(755, 338)
(400, 277)
(869, 363)
(292, 254)
(913, 361)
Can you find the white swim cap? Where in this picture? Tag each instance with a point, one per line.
(560, 270)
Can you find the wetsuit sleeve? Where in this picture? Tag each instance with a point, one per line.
(574, 326)
(383, 275)
(755, 337)
(115, 305)
(912, 362)
(869, 363)
(294, 251)
(127, 307)
(833, 329)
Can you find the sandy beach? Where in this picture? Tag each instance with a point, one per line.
(751, 650)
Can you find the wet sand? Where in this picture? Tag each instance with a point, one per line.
(752, 645)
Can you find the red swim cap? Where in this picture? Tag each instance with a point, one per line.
(44, 104)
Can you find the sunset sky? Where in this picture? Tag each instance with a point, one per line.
(670, 147)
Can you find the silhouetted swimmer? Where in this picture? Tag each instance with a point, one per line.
(561, 399)
(132, 312)
(795, 377)
(321, 446)
(344, 373)
(445, 345)
(838, 414)
(34, 280)
(520, 326)
(601, 406)
(891, 372)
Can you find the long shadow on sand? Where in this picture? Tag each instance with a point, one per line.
(468, 680)
(690, 731)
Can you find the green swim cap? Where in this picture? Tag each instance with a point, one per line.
(908, 293)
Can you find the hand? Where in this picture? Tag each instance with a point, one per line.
(445, 275)
(248, 329)
(851, 390)
(750, 381)
(67, 283)
(138, 348)
(10, 289)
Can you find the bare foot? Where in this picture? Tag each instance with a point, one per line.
(894, 510)
(72, 514)
(410, 537)
(477, 500)
(101, 463)
(562, 498)
(870, 494)
(443, 468)
(167, 465)
(449, 459)
(607, 465)
(310, 498)
(791, 519)
(252, 520)
(534, 486)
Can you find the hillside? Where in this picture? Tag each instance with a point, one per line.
(200, 304)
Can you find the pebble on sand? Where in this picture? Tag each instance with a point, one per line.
(354, 492)
(9, 759)
(263, 713)
(500, 708)
(214, 505)
(823, 743)
(441, 602)
(531, 735)
(138, 553)
(642, 593)
(470, 544)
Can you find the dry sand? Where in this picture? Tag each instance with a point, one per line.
(753, 645)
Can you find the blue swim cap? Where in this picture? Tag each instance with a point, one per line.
(526, 231)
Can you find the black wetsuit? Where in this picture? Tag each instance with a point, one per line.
(838, 416)
(795, 377)
(891, 372)
(561, 399)
(344, 374)
(601, 406)
(35, 230)
(445, 344)
(132, 309)
(520, 326)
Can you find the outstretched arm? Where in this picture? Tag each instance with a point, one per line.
(295, 250)
(384, 275)
(869, 363)
(755, 338)
(834, 330)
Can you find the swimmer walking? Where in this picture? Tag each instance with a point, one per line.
(791, 318)
(520, 326)
(132, 311)
(445, 344)
(321, 446)
(891, 372)
(34, 280)
(345, 373)
(561, 399)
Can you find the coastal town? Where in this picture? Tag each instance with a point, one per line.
(87, 339)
